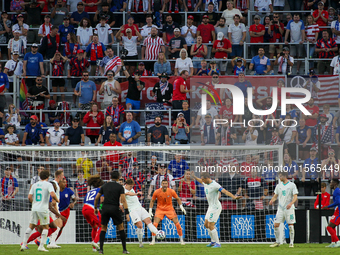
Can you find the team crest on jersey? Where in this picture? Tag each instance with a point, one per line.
(66, 195)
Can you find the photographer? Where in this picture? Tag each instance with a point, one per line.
(276, 29)
(285, 62)
(129, 43)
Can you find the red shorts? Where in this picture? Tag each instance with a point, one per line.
(335, 218)
(91, 218)
(66, 214)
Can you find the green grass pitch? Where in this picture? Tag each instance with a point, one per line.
(177, 249)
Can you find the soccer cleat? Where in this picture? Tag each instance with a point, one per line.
(26, 247)
(100, 252)
(141, 245)
(53, 246)
(22, 247)
(94, 249)
(337, 245)
(42, 249)
(95, 245)
(47, 241)
(331, 245)
(126, 252)
(211, 244)
(274, 245)
(152, 242)
(182, 242)
(217, 245)
(37, 242)
(291, 245)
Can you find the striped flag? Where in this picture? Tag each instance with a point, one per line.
(22, 96)
(329, 88)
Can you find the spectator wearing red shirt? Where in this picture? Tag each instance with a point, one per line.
(277, 28)
(256, 32)
(93, 118)
(104, 168)
(206, 30)
(180, 91)
(246, 167)
(221, 48)
(325, 197)
(321, 17)
(58, 62)
(311, 120)
(112, 156)
(226, 111)
(91, 5)
(187, 187)
(326, 48)
(130, 24)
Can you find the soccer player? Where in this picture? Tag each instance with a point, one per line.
(212, 191)
(164, 197)
(113, 192)
(39, 196)
(88, 208)
(287, 193)
(335, 220)
(137, 212)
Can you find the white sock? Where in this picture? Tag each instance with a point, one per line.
(282, 233)
(153, 238)
(212, 238)
(214, 234)
(152, 228)
(54, 236)
(291, 234)
(181, 238)
(277, 235)
(43, 237)
(140, 235)
(27, 235)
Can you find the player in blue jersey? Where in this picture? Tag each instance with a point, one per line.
(88, 208)
(65, 205)
(335, 220)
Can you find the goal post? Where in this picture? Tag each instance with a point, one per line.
(247, 220)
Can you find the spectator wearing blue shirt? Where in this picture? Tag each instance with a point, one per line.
(64, 29)
(260, 63)
(33, 65)
(310, 175)
(213, 68)
(178, 166)
(33, 133)
(77, 16)
(130, 130)
(9, 187)
(162, 65)
(290, 166)
(96, 51)
(239, 65)
(120, 6)
(86, 90)
(289, 111)
(243, 84)
(2, 136)
(4, 86)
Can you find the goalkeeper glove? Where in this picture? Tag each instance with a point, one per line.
(150, 212)
(183, 210)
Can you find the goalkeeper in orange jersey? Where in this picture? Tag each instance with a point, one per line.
(164, 197)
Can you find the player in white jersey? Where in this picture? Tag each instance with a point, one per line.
(137, 212)
(39, 196)
(58, 176)
(212, 191)
(287, 193)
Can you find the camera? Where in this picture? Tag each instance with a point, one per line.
(282, 54)
(123, 53)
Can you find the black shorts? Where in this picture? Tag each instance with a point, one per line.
(58, 82)
(113, 212)
(131, 63)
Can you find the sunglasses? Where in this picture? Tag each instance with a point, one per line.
(85, 75)
(215, 77)
(110, 74)
(34, 47)
(32, 119)
(39, 80)
(275, 17)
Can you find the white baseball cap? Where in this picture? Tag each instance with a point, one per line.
(220, 36)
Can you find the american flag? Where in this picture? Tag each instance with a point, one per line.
(152, 113)
(329, 88)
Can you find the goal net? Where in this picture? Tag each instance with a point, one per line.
(250, 171)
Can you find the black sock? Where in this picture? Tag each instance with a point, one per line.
(123, 238)
(101, 239)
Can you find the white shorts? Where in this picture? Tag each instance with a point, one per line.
(288, 215)
(139, 215)
(213, 214)
(42, 216)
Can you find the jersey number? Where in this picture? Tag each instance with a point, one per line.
(38, 195)
(90, 196)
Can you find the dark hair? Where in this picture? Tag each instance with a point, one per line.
(165, 180)
(210, 3)
(115, 175)
(44, 174)
(85, 71)
(105, 4)
(183, 72)
(88, 22)
(109, 47)
(336, 181)
(284, 174)
(158, 117)
(148, 16)
(130, 182)
(95, 181)
(54, 27)
(215, 73)
(205, 175)
(296, 14)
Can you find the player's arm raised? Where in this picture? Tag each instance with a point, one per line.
(196, 178)
(229, 194)
(123, 200)
(274, 199)
(96, 202)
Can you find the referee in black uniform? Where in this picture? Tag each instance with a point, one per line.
(113, 194)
